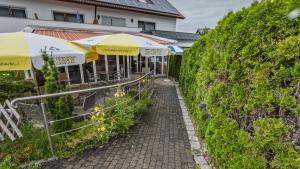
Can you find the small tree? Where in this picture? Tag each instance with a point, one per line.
(59, 107)
(203, 31)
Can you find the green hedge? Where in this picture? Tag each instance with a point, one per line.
(174, 66)
(12, 85)
(247, 72)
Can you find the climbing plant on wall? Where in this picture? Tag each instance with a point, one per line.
(247, 72)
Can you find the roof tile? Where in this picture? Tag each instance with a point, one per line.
(158, 7)
(77, 35)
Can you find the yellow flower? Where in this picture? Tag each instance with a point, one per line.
(93, 117)
(101, 129)
(101, 119)
(97, 109)
(119, 93)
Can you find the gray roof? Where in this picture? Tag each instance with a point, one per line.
(158, 7)
(183, 36)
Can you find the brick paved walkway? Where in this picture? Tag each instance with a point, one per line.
(159, 140)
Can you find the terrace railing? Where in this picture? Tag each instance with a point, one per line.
(12, 117)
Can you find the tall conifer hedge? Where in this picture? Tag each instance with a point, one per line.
(247, 72)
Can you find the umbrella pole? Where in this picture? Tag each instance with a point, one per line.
(128, 67)
(162, 64)
(140, 70)
(68, 74)
(137, 64)
(35, 81)
(118, 67)
(95, 70)
(81, 73)
(154, 65)
(106, 67)
(168, 66)
(124, 67)
(146, 62)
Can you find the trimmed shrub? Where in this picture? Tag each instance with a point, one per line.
(247, 71)
(59, 107)
(174, 66)
(12, 85)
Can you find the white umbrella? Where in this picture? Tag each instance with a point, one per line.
(19, 51)
(124, 44)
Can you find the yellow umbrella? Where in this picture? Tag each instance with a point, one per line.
(124, 44)
(21, 51)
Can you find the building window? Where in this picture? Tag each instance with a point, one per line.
(12, 12)
(68, 17)
(113, 21)
(146, 1)
(146, 26)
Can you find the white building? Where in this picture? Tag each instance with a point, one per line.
(78, 19)
(105, 15)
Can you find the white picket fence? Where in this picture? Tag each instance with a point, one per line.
(10, 120)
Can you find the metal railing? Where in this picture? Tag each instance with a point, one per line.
(148, 84)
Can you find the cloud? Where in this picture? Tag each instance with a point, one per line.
(205, 13)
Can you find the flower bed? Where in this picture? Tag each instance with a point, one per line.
(114, 118)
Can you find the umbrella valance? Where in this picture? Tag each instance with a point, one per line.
(124, 44)
(21, 51)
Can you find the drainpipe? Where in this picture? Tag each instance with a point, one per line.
(95, 17)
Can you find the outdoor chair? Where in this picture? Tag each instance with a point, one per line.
(84, 86)
(78, 96)
(63, 77)
(102, 75)
(116, 77)
(145, 70)
(88, 102)
(92, 77)
(131, 87)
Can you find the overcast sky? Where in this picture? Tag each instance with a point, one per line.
(201, 13)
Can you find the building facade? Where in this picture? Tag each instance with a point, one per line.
(105, 15)
(78, 19)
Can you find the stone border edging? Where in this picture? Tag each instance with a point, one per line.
(198, 148)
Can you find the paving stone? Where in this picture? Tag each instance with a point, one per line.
(198, 148)
(159, 140)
